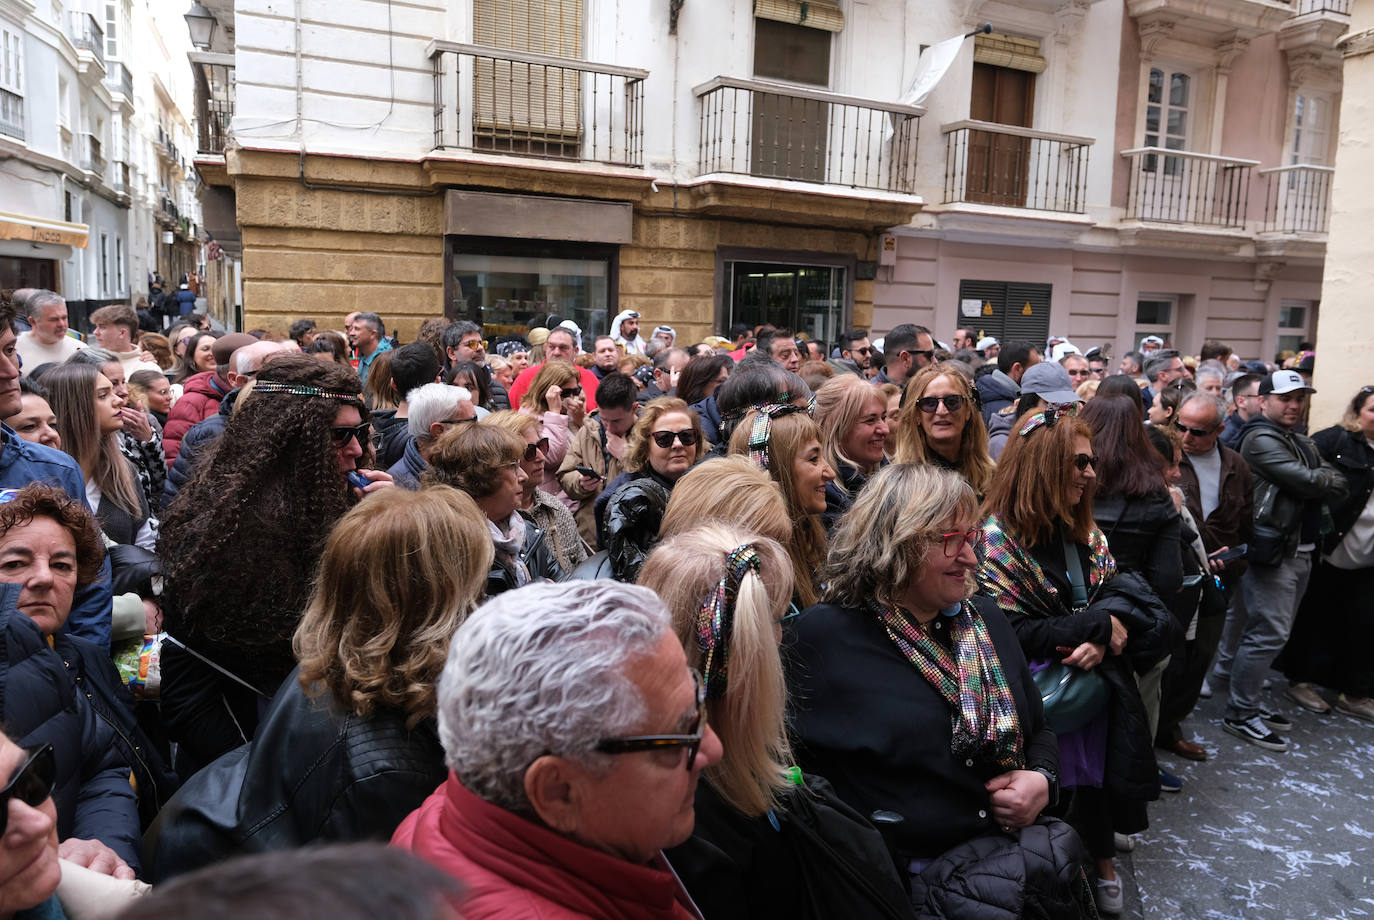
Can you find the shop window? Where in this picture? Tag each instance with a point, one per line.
(1155, 314)
(508, 286)
(810, 299)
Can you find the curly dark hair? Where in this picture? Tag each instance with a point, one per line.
(241, 541)
(37, 500)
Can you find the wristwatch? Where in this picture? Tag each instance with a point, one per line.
(1053, 778)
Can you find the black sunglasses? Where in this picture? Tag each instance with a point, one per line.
(1083, 461)
(31, 784)
(570, 392)
(664, 439)
(532, 450)
(691, 741)
(864, 351)
(929, 404)
(926, 353)
(342, 434)
(1196, 432)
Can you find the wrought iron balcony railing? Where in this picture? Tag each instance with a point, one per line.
(119, 80)
(1015, 167)
(775, 131)
(87, 35)
(92, 159)
(1339, 7)
(11, 114)
(1297, 198)
(495, 100)
(1182, 187)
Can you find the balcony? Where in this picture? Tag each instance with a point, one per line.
(1015, 167)
(774, 131)
(11, 114)
(1315, 27)
(1208, 22)
(499, 101)
(215, 91)
(120, 81)
(1186, 188)
(1335, 7)
(1297, 198)
(92, 159)
(121, 178)
(88, 39)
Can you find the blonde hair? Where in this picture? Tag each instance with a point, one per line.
(641, 435)
(974, 462)
(399, 575)
(517, 423)
(750, 716)
(877, 548)
(840, 403)
(1087, 389)
(553, 373)
(729, 491)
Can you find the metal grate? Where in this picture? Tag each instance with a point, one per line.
(1015, 167)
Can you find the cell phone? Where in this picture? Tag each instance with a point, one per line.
(358, 479)
(588, 471)
(1235, 552)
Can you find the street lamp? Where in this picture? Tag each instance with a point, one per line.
(201, 22)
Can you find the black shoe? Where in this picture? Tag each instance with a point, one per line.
(1255, 731)
(1275, 720)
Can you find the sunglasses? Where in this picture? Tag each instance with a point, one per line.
(343, 434)
(1080, 372)
(929, 404)
(533, 450)
(664, 439)
(864, 351)
(32, 783)
(926, 353)
(570, 392)
(457, 421)
(474, 344)
(954, 541)
(1083, 461)
(691, 741)
(1196, 432)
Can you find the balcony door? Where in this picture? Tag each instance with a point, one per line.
(789, 136)
(998, 164)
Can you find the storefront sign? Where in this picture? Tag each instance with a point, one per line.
(60, 233)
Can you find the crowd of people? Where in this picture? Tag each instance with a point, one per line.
(617, 627)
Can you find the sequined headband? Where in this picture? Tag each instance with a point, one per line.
(1047, 417)
(296, 389)
(716, 619)
(760, 436)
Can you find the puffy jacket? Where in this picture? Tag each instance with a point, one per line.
(313, 774)
(838, 500)
(200, 398)
(628, 515)
(537, 556)
(1350, 453)
(997, 391)
(1288, 473)
(500, 399)
(391, 434)
(42, 706)
(194, 443)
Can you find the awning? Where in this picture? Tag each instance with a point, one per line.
(815, 14)
(1009, 51)
(38, 230)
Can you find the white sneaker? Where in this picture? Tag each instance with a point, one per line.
(1206, 691)
(1108, 896)
(1125, 843)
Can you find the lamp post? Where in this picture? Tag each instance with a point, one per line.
(201, 23)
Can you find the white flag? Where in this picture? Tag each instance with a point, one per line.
(931, 67)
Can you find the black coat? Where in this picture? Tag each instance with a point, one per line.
(41, 705)
(628, 515)
(868, 721)
(195, 444)
(1144, 533)
(313, 773)
(838, 500)
(1350, 453)
(537, 556)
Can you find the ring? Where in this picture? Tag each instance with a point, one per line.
(1008, 828)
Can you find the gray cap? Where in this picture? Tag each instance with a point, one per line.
(1050, 381)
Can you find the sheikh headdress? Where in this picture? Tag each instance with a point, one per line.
(716, 619)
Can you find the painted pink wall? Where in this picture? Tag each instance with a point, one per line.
(1127, 94)
(1257, 113)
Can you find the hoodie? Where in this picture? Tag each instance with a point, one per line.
(997, 391)
(633, 346)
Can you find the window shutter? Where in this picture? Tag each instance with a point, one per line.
(815, 14)
(1008, 51)
(517, 103)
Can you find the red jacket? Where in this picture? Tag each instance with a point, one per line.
(522, 384)
(199, 400)
(514, 869)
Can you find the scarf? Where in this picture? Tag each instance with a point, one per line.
(508, 544)
(1011, 576)
(715, 621)
(984, 725)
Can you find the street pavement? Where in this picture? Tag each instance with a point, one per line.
(1255, 835)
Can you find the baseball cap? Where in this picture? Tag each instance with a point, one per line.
(1152, 340)
(1281, 382)
(984, 343)
(1049, 381)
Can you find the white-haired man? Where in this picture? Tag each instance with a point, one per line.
(431, 410)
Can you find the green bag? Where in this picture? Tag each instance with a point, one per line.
(1072, 696)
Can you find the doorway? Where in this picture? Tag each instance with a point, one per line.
(999, 164)
(810, 299)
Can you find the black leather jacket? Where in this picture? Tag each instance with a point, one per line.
(1350, 453)
(312, 774)
(1288, 473)
(537, 556)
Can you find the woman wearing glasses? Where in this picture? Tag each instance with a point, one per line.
(240, 543)
(665, 443)
(945, 428)
(556, 398)
(488, 462)
(912, 696)
(1050, 571)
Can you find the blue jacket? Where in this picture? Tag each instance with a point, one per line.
(22, 463)
(711, 421)
(186, 301)
(195, 442)
(409, 468)
(997, 391)
(42, 706)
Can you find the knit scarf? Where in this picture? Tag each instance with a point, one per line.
(1011, 576)
(984, 725)
(509, 542)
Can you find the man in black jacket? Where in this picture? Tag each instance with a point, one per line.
(1291, 484)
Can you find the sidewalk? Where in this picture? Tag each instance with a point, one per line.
(1259, 835)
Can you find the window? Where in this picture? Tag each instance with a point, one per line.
(1311, 129)
(1295, 319)
(104, 265)
(508, 286)
(790, 135)
(64, 102)
(1154, 315)
(11, 80)
(1166, 116)
(119, 265)
(112, 30)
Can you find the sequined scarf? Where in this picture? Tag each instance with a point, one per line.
(1011, 576)
(983, 722)
(716, 618)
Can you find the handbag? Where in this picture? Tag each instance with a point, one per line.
(1071, 696)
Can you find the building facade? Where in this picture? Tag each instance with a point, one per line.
(1101, 170)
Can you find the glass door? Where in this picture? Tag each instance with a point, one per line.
(808, 299)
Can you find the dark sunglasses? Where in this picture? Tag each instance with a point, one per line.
(926, 353)
(570, 392)
(690, 741)
(864, 351)
(1196, 432)
(32, 783)
(929, 404)
(457, 421)
(532, 450)
(343, 434)
(664, 439)
(1083, 461)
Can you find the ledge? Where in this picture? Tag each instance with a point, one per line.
(1016, 226)
(1196, 239)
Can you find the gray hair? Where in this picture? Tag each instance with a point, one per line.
(372, 319)
(1211, 368)
(1157, 362)
(541, 670)
(95, 356)
(453, 333)
(36, 301)
(432, 403)
(1217, 404)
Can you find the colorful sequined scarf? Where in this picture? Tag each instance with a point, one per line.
(717, 617)
(1011, 576)
(983, 720)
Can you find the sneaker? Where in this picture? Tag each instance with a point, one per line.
(1125, 843)
(1361, 707)
(1108, 896)
(1168, 782)
(1276, 720)
(1206, 691)
(1255, 731)
(1306, 696)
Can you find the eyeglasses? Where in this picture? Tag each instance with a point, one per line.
(343, 434)
(570, 392)
(457, 421)
(474, 344)
(954, 541)
(664, 439)
(32, 783)
(926, 353)
(1083, 461)
(533, 450)
(1080, 372)
(691, 741)
(1196, 432)
(929, 404)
